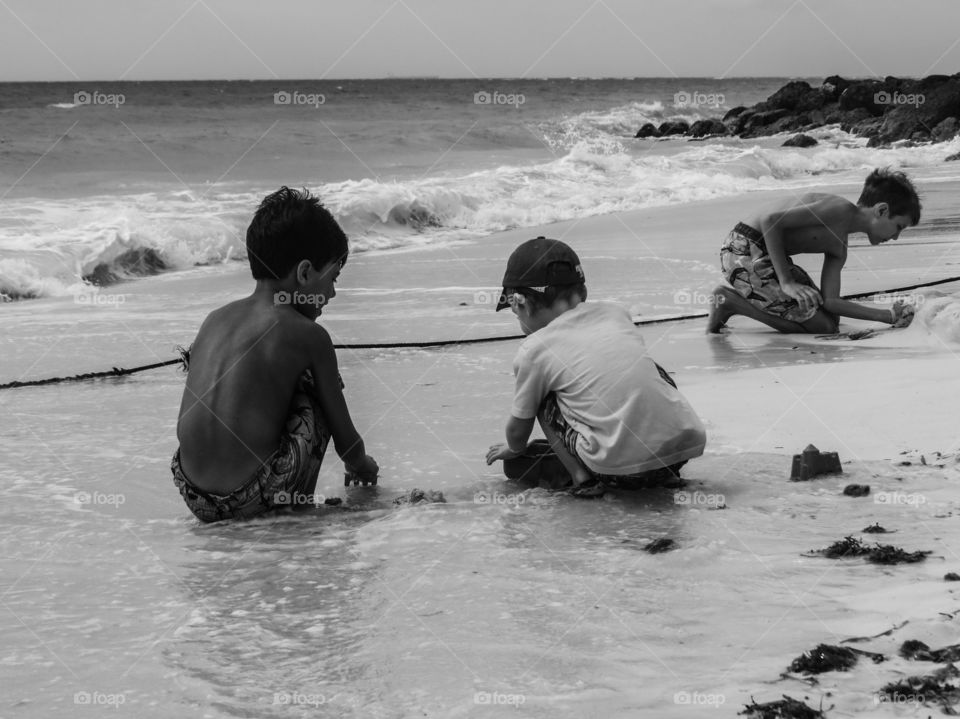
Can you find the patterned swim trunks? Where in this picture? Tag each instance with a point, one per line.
(748, 267)
(288, 478)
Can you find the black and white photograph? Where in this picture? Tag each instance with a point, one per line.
(393, 359)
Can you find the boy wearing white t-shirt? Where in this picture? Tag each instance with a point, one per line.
(613, 417)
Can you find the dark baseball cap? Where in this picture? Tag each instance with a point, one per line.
(540, 263)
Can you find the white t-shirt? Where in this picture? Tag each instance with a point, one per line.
(608, 389)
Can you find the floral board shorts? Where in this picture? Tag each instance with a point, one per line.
(288, 478)
(747, 266)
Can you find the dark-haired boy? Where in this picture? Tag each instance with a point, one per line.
(613, 417)
(263, 395)
(765, 284)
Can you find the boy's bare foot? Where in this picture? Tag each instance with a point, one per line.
(722, 310)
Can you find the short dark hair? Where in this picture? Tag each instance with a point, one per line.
(894, 188)
(290, 226)
(539, 300)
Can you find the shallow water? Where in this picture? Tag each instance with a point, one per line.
(504, 595)
(113, 596)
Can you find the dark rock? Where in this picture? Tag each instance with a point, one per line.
(951, 577)
(735, 112)
(877, 142)
(939, 105)
(738, 123)
(790, 95)
(800, 141)
(856, 490)
(897, 84)
(931, 82)
(868, 128)
(946, 130)
(674, 127)
(702, 128)
(333, 501)
(852, 117)
(756, 122)
(834, 86)
(648, 130)
(790, 123)
(899, 123)
(952, 158)
(863, 94)
(874, 529)
(660, 545)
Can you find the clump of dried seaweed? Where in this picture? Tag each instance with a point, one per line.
(786, 708)
(828, 658)
(878, 554)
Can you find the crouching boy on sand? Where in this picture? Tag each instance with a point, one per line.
(263, 395)
(613, 417)
(765, 284)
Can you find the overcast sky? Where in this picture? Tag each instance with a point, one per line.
(245, 39)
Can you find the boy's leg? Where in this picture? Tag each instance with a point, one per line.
(728, 302)
(822, 323)
(570, 463)
(563, 441)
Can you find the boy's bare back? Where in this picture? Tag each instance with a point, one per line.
(244, 367)
(816, 222)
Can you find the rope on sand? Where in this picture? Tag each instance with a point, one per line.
(184, 357)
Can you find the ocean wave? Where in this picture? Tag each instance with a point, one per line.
(53, 247)
(938, 316)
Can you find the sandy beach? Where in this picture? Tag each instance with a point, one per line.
(505, 593)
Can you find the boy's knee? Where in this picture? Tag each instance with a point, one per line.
(822, 323)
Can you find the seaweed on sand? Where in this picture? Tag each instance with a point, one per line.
(875, 529)
(786, 708)
(914, 649)
(940, 686)
(660, 545)
(827, 658)
(878, 554)
(419, 496)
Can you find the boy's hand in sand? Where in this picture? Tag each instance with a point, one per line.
(807, 297)
(500, 451)
(902, 313)
(367, 467)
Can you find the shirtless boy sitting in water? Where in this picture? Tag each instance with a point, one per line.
(263, 395)
(765, 285)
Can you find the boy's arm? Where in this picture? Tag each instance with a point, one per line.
(831, 213)
(346, 439)
(830, 285)
(518, 433)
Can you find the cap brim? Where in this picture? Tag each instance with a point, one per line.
(502, 302)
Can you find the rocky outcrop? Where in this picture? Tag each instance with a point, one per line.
(889, 110)
(674, 127)
(648, 130)
(702, 128)
(800, 141)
